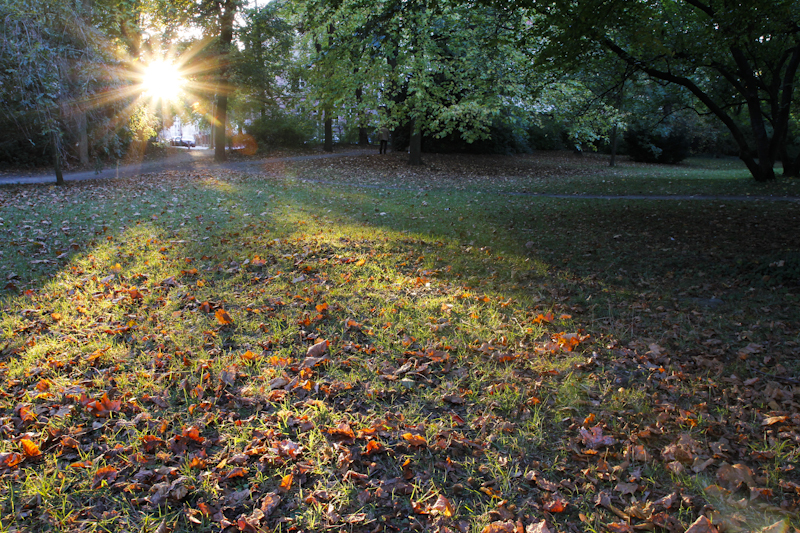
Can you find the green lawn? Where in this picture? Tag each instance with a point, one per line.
(360, 345)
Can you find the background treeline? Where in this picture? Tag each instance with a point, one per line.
(655, 81)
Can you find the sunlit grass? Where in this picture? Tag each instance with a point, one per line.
(447, 320)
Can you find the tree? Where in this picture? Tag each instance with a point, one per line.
(216, 17)
(434, 67)
(266, 42)
(47, 54)
(727, 55)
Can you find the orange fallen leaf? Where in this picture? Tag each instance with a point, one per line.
(223, 317)
(414, 440)
(30, 448)
(373, 447)
(286, 483)
(249, 356)
(500, 527)
(556, 505)
(105, 474)
(10, 460)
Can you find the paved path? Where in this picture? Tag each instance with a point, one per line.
(203, 159)
(180, 159)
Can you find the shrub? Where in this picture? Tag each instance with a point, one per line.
(655, 147)
(282, 129)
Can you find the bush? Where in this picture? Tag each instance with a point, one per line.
(503, 139)
(282, 130)
(655, 147)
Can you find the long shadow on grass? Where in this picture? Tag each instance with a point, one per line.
(457, 367)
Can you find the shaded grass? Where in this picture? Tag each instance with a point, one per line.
(449, 316)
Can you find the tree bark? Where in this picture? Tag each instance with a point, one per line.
(415, 151)
(220, 138)
(613, 161)
(83, 138)
(226, 17)
(57, 159)
(328, 146)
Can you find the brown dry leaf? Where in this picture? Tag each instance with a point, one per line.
(442, 507)
(774, 420)
(556, 505)
(626, 488)
(538, 527)
(286, 483)
(777, 527)
(619, 527)
(702, 525)
(10, 460)
(593, 438)
(732, 477)
(318, 349)
(500, 527)
(311, 362)
(106, 473)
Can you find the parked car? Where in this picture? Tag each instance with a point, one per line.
(183, 141)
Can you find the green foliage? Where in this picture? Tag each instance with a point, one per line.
(280, 129)
(449, 68)
(724, 55)
(658, 147)
(261, 65)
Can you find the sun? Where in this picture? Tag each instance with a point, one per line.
(162, 80)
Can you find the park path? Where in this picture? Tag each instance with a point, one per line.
(203, 159)
(180, 159)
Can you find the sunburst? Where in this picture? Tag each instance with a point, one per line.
(163, 80)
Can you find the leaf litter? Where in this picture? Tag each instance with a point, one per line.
(286, 375)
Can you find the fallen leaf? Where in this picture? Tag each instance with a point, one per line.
(732, 477)
(30, 448)
(556, 505)
(105, 474)
(538, 527)
(500, 527)
(777, 527)
(702, 525)
(626, 488)
(442, 507)
(317, 349)
(414, 440)
(593, 438)
(223, 317)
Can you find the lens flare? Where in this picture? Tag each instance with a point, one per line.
(162, 81)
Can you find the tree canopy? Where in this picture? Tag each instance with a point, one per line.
(730, 56)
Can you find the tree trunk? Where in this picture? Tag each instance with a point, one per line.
(226, 18)
(83, 135)
(613, 161)
(57, 159)
(415, 151)
(220, 139)
(363, 133)
(328, 146)
(791, 165)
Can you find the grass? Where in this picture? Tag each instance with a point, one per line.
(518, 356)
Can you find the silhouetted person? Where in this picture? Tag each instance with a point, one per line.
(383, 136)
